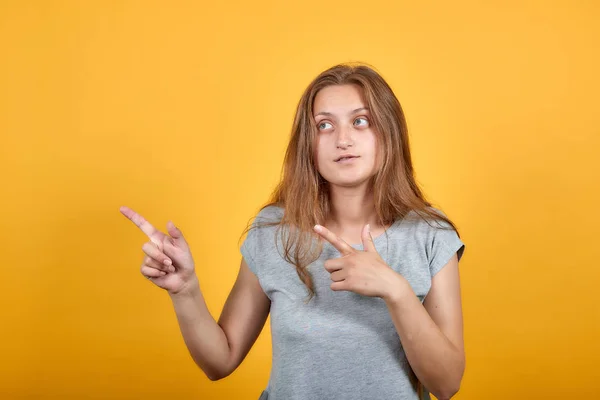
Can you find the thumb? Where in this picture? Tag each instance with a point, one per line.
(367, 239)
(175, 233)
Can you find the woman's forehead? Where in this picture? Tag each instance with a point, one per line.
(339, 100)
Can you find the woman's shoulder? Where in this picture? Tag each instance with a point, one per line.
(433, 216)
(266, 218)
(424, 224)
(269, 213)
(429, 236)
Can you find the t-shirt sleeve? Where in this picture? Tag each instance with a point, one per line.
(248, 250)
(443, 245)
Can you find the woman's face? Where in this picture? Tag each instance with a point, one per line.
(344, 128)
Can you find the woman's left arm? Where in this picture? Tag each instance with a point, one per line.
(431, 333)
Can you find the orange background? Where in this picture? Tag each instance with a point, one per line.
(182, 111)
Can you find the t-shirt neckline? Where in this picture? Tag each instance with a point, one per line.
(376, 239)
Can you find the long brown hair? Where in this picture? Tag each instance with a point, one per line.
(304, 194)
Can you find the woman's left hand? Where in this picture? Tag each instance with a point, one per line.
(360, 271)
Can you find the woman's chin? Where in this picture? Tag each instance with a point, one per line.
(348, 182)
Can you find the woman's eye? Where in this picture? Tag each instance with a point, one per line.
(324, 125)
(361, 122)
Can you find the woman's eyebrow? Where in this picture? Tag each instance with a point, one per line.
(328, 114)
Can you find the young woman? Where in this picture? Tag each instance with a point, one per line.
(358, 270)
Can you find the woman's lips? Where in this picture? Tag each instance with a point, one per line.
(347, 160)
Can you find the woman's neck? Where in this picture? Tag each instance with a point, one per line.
(350, 210)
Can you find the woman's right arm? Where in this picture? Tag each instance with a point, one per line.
(219, 348)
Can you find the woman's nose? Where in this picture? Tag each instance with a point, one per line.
(344, 140)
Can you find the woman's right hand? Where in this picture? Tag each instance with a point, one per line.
(168, 263)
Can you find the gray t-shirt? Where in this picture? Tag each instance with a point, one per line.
(342, 345)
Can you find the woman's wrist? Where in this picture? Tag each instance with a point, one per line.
(191, 288)
(396, 289)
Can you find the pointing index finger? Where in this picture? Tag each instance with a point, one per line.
(139, 221)
(335, 240)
